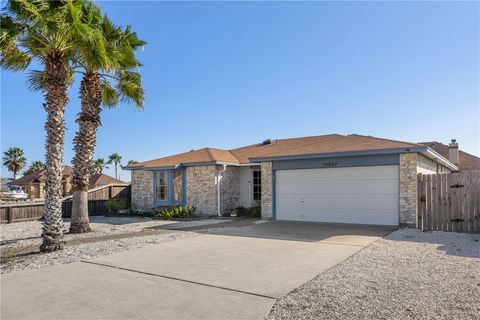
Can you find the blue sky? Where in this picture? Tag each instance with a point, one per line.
(228, 74)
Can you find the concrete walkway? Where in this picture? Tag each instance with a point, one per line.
(230, 273)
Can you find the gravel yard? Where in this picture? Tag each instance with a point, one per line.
(24, 234)
(407, 275)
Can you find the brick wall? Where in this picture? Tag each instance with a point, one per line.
(229, 189)
(201, 189)
(142, 190)
(266, 204)
(408, 188)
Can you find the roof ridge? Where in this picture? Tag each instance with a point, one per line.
(209, 153)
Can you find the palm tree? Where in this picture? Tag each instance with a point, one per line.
(115, 158)
(113, 62)
(132, 162)
(14, 159)
(99, 165)
(36, 165)
(47, 31)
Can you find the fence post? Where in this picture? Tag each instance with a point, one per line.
(9, 214)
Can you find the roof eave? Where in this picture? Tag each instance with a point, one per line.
(342, 154)
(181, 165)
(435, 156)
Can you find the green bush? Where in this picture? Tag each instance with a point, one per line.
(252, 212)
(114, 205)
(178, 212)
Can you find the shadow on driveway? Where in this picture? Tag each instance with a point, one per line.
(290, 230)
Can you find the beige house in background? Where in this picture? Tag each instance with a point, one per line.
(329, 178)
(34, 183)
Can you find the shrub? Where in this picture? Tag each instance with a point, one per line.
(178, 212)
(252, 212)
(114, 205)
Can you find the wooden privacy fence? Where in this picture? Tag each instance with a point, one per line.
(449, 202)
(26, 211)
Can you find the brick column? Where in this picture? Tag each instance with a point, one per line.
(267, 189)
(408, 189)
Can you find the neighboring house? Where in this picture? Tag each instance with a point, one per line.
(464, 161)
(34, 183)
(330, 178)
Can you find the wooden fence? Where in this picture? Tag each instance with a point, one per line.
(449, 202)
(26, 211)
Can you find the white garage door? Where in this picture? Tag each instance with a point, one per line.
(365, 195)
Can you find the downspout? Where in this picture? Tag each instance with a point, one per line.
(219, 178)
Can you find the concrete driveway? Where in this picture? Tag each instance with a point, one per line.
(233, 272)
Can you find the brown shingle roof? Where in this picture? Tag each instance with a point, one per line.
(41, 176)
(201, 155)
(283, 147)
(332, 143)
(466, 161)
(101, 179)
(38, 176)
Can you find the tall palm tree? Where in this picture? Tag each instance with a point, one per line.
(14, 159)
(113, 63)
(36, 165)
(47, 31)
(116, 159)
(99, 165)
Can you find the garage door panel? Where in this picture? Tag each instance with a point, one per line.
(366, 188)
(366, 195)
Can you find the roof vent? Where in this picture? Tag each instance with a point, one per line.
(269, 141)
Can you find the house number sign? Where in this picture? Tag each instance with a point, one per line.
(330, 164)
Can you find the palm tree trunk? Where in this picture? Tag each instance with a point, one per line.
(116, 168)
(56, 99)
(14, 175)
(85, 141)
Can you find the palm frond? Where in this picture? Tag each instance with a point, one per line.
(36, 80)
(110, 97)
(129, 87)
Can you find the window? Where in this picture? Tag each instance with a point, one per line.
(168, 187)
(257, 185)
(161, 187)
(177, 185)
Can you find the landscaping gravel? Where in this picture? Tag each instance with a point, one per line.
(407, 275)
(88, 250)
(23, 234)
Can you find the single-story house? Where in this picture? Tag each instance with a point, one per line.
(34, 183)
(329, 178)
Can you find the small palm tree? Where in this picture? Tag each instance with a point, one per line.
(132, 162)
(115, 158)
(99, 165)
(47, 31)
(36, 165)
(14, 159)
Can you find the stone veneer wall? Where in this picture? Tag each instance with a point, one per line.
(229, 189)
(408, 188)
(142, 190)
(266, 203)
(202, 189)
